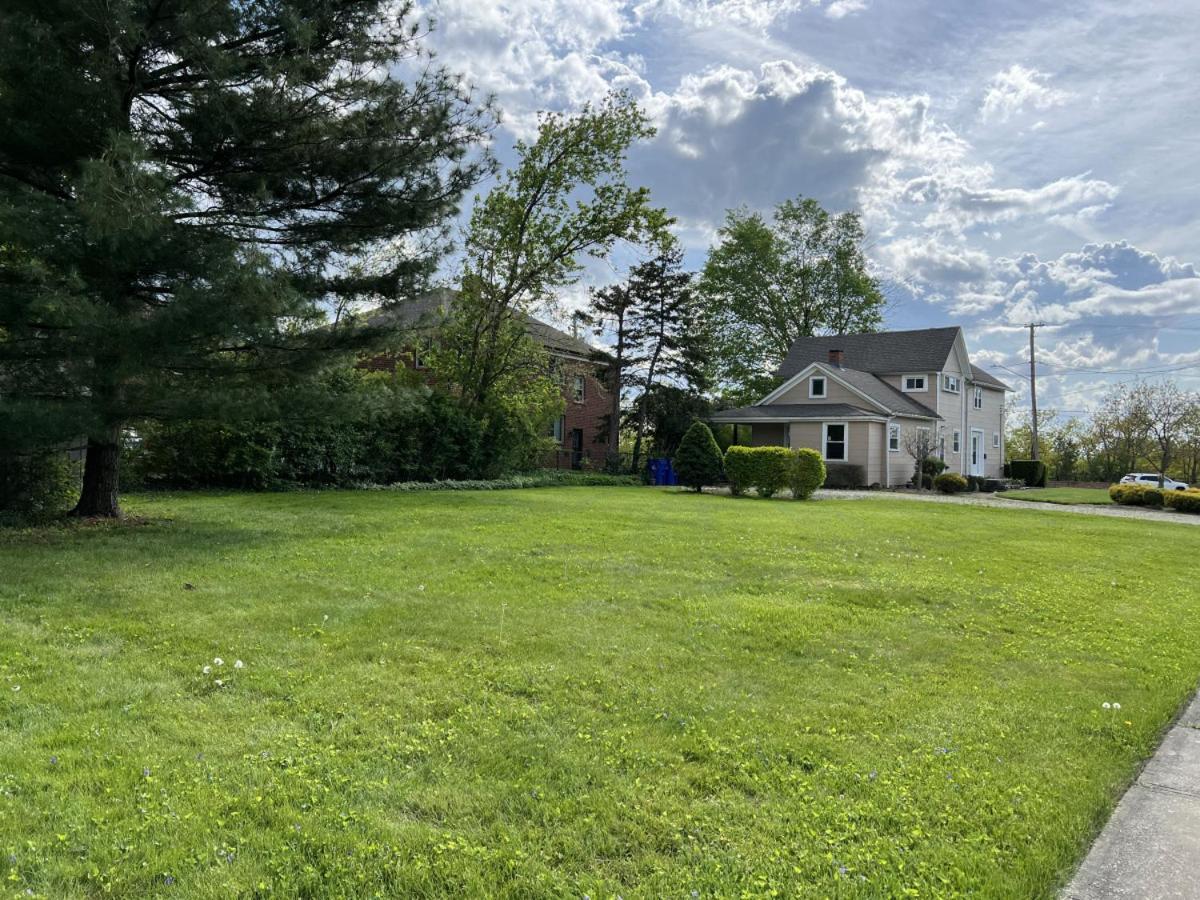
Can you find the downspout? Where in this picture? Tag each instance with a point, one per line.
(887, 453)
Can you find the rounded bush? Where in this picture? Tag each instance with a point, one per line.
(950, 483)
(808, 473)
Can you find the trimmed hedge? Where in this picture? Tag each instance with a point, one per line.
(808, 473)
(739, 469)
(1183, 501)
(933, 466)
(698, 460)
(1032, 471)
(1136, 495)
(770, 470)
(547, 478)
(845, 475)
(774, 470)
(950, 483)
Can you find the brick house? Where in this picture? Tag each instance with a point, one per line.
(580, 369)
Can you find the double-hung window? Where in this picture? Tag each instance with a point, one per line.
(577, 384)
(835, 441)
(979, 398)
(950, 383)
(894, 438)
(996, 439)
(956, 446)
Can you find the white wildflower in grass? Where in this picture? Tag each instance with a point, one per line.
(217, 661)
(238, 664)
(1106, 705)
(16, 687)
(218, 682)
(206, 670)
(1116, 706)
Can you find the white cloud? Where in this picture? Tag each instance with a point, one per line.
(841, 8)
(1017, 89)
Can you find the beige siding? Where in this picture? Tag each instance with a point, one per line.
(902, 464)
(928, 397)
(991, 420)
(806, 434)
(834, 393)
(950, 406)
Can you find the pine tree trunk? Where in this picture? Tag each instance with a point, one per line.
(98, 496)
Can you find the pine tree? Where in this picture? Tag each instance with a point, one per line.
(698, 460)
(184, 189)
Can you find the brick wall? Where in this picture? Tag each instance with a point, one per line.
(588, 416)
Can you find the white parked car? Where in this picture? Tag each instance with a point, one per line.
(1151, 478)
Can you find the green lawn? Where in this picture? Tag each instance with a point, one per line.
(573, 691)
(1097, 496)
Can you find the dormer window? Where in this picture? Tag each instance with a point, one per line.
(950, 383)
(914, 383)
(816, 386)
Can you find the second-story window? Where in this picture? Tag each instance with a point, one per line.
(914, 382)
(816, 387)
(577, 388)
(950, 383)
(979, 398)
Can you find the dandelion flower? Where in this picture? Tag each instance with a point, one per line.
(1116, 706)
(16, 687)
(206, 669)
(1106, 705)
(238, 664)
(218, 682)
(217, 661)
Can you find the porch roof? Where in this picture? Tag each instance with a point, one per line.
(791, 412)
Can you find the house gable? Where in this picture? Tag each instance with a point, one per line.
(837, 390)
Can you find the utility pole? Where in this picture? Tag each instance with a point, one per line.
(1033, 422)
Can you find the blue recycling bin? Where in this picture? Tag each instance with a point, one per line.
(662, 473)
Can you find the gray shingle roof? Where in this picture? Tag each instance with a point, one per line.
(430, 310)
(925, 350)
(891, 398)
(977, 374)
(794, 411)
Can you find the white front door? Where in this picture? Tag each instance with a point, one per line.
(976, 452)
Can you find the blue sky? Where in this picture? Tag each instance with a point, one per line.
(1011, 160)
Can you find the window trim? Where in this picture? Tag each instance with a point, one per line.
(956, 442)
(947, 378)
(893, 427)
(845, 441)
(995, 440)
(923, 389)
(978, 399)
(558, 430)
(578, 388)
(812, 395)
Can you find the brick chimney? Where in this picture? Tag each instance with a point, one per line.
(836, 358)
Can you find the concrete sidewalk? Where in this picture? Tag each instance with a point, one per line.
(1150, 848)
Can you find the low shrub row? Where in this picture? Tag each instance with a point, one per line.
(547, 478)
(1183, 501)
(769, 470)
(845, 475)
(1136, 495)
